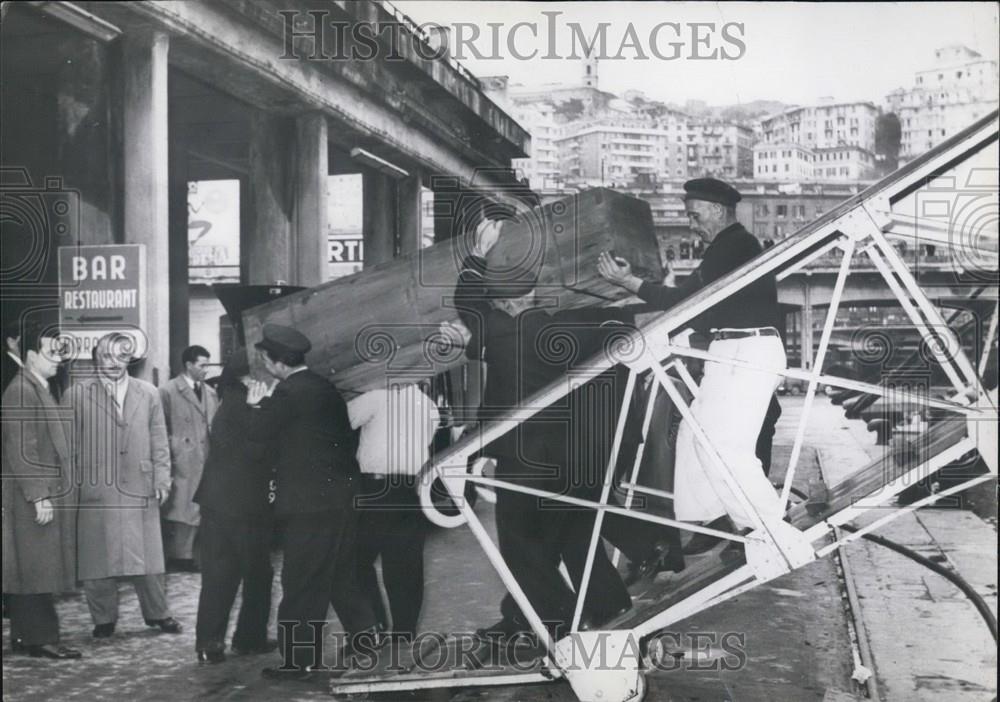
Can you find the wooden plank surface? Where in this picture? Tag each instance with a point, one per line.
(383, 322)
(659, 595)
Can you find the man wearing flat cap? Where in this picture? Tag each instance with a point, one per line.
(317, 481)
(735, 406)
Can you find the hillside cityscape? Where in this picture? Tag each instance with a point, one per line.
(791, 162)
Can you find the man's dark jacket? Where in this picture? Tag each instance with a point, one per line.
(239, 465)
(755, 305)
(306, 418)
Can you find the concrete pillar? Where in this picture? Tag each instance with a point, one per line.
(146, 216)
(180, 298)
(267, 240)
(310, 221)
(378, 218)
(409, 195)
(84, 157)
(806, 331)
(446, 204)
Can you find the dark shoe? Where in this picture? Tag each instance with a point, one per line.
(167, 626)
(662, 558)
(50, 651)
(104, 631)
(257, 649)
(700, 543)
(214, 655)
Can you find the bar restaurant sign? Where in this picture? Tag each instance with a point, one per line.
(102, 289)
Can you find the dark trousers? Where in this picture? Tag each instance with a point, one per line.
(766, 436)
(633, 537)
(33, 619)
(392, 526)
(535, 535)
(233, 550)
(319, 569)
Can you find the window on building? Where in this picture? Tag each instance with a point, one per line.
(213, 231)
(762, 209)
(344, 216)
(781, 210)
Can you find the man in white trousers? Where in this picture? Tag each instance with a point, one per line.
(732, 401)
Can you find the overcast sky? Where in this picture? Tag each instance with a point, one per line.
(794, 52)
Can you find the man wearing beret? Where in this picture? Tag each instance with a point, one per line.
(317, 481)
(735, 406)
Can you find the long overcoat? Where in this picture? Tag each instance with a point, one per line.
(122, 458)
(36, 465)
(188, 422)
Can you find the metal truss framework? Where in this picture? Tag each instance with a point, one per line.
(773, 547)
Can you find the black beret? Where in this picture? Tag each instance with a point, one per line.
(711, 190)
(281, 339)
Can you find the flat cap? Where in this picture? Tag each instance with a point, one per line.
(711, 190)
(281, 339)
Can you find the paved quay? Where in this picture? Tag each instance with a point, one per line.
(927, 640)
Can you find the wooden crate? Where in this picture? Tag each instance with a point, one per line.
(383, 322)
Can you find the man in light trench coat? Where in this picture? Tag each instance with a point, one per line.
(123, 461)
(188, 406)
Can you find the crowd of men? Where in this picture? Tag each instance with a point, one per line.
(117, 480)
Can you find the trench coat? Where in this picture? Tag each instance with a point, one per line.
(121, 459)
(188, 423)
(37, 558)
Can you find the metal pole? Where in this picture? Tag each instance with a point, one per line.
(496, 559)
(609, 477)
(930, 499)
(664, 521)
(891, 489)
(833, 380)
(831, 316)
(640, 451)
(727, 474)
(957, 358)
(988, 341)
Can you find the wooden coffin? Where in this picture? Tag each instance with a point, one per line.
(383, 323)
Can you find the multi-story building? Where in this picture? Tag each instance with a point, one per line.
(783, 161)
(541, 168)
(620, 149)
(843, 163)
(824, 125)
(960, 88)
(721, 149)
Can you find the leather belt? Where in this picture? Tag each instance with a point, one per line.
(723, 334)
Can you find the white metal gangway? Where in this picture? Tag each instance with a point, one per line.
(948, 198)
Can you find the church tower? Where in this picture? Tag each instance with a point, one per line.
(590, 69)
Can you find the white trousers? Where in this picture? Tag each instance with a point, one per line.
(730, 407)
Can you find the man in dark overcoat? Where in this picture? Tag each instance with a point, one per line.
(39, 519)
(317, 482)
(236, 524)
